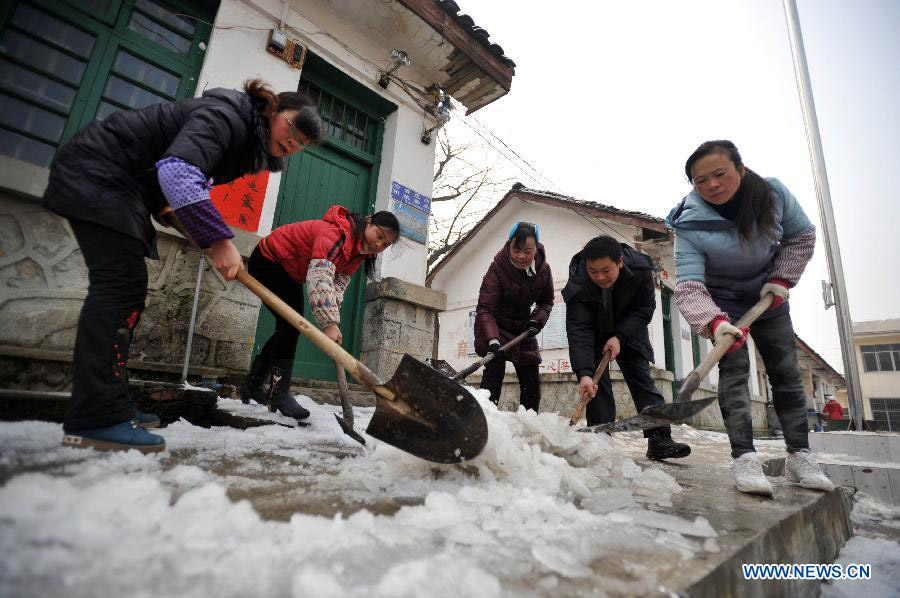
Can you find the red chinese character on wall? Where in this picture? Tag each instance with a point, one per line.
(240, 201)
(461, 349)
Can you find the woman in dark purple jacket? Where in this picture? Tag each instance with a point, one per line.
(518, 278)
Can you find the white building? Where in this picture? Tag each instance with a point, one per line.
(876, 344)
(377, 70)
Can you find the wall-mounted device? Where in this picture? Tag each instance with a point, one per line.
(289, 50)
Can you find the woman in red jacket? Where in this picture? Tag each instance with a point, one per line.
(322, 254)
(518, 278)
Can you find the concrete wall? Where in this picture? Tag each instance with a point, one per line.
(43, 282)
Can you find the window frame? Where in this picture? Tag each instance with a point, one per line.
(878, 352)
(111, 35)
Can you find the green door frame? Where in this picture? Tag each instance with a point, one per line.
(340, 86)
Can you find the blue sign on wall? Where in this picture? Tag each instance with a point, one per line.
(413, 222)
(410, 197)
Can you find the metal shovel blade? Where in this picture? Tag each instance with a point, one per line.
(654, 416)
(431, 416)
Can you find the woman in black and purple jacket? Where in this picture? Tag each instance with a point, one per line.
(109, 179)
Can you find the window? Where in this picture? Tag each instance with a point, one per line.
(65, 64)
(881, 358)
(342, 122)
(886, 413)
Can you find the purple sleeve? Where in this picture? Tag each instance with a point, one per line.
(187, 191)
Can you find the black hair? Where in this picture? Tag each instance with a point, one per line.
(600, 247)
(383, 219)
(307, 119)
(757, 205)
(524, 231)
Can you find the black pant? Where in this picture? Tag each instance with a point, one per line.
(283, 342)
(529, 382)
(117, 288)
(636, 371)
(774, 337)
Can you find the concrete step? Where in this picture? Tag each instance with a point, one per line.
(795, 526)
(867, 446)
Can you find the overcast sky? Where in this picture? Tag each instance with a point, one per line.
(609, 99)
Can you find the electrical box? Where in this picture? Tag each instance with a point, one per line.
(292, 51)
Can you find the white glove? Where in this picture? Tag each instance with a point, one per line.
(723, 328)
(779, 290)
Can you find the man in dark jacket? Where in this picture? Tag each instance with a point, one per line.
(610, 299)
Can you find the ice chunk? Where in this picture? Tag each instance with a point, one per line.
(560, 560)
(700, 527)
(609, 499)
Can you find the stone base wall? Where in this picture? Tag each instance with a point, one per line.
(43, 282)
(399, 318)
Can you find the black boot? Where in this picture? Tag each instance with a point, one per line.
(661, 446)
(280, 397)
(252, 388)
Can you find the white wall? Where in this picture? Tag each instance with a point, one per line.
(234, 55)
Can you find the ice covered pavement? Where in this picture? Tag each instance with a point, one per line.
(277, 511)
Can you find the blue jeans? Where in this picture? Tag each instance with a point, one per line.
(776, 342)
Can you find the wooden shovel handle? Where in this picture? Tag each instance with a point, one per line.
(318, 338)
(487, 358)
(579, 410)
(692, 381)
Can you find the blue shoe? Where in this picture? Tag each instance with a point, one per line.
(146, 420)
(117, 437)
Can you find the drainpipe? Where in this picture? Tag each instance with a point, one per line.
(826, 214)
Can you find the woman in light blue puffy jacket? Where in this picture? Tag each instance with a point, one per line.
(739, 236)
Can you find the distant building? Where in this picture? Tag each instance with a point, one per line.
(876, 345)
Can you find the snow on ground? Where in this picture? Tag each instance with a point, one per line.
(544, 510)
(870, 545)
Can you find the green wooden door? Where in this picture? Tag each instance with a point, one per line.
(342, 171)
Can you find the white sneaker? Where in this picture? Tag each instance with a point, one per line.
(749, 476)
(800, 467)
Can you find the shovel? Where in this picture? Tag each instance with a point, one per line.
(579, 410)
(418, 410)
(487, 358)
(346, 422)
(683, 407)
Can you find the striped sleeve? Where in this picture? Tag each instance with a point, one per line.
(697, 306)
(322, 293)
(794, 255)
